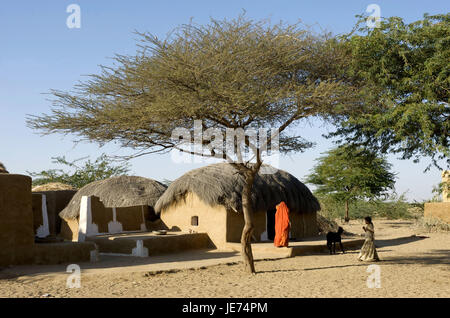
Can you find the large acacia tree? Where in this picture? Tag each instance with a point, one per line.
(226, 75)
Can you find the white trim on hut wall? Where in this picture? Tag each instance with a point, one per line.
(85, 225)
(264, 235)
(114, 226)
(43, 230)
(94, 256)
(143, 225)
(87, 228)
(139, 250)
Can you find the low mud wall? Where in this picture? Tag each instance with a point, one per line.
(16, 220)
(17, 229)
(438, 210)
(153, 245)
(64, 252)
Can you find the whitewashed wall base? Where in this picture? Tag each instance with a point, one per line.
(44, 229)
(114, 226)
(140, 250)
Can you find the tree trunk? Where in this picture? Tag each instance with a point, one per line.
(247, 232)
(347, 218)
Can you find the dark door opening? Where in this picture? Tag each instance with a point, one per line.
(152, 216)
(270, 223)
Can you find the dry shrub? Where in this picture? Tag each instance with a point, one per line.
(430, 224)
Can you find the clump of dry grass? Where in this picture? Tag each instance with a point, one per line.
(326, 225)
(416, 212)
(430, 225)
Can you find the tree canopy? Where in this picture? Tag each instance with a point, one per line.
(349, 173)
(228, 74)
(80, 175)
(408, 68)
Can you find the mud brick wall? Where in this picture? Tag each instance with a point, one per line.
(438, 210)
(16, 220)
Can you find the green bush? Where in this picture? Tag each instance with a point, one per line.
(394, 207)
(80, 175)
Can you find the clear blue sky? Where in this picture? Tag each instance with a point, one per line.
(39, 52)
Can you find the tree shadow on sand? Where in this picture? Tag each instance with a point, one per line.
(398, 241)
(436, 257)
(113, 261)
(399, 223)
(338, 266)
(279, 271)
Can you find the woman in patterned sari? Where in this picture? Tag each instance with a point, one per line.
(368, 251)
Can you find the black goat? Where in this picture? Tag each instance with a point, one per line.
(333, 238)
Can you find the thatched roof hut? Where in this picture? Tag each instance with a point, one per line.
(53, 186)
(122, 191)
(209, 199)
(220, 184)
(3, 169)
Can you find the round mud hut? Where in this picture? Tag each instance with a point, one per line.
(209, 200)
(120, 195)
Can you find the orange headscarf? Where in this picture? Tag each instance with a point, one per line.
(281, 225)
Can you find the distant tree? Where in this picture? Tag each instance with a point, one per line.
(347, 173)
(227, 76)
(407, 66)
(80, 175)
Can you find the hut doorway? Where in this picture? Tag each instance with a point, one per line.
(270, 223)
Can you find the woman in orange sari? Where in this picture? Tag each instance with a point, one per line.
(282, 225)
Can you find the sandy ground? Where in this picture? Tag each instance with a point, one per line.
(411, 266)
